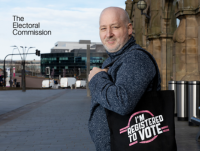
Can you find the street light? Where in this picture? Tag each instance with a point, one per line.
(142, 5)
(18, 50)
(22, 49)
(28, 50)
(23, 64)
(23, 72)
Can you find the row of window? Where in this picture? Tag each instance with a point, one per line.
(71, 62)
(61, 71)
(72, 58)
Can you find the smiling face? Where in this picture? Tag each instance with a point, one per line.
(114, 30)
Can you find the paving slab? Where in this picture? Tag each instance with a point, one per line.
(13, 99)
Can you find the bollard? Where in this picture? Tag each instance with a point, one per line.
(182, 102)
(193, 101)
(172, 86)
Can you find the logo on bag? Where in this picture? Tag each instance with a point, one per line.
(144, 130)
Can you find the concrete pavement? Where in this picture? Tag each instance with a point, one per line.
(58, 124)
(56, 120)
(13, 99)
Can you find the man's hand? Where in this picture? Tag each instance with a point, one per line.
(94, 71)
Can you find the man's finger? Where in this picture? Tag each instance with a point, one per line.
(106, 69)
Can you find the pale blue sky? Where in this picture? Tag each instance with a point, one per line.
(68, 21)
(61, 4)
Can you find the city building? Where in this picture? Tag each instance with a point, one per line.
(32, 67)
(68, 59)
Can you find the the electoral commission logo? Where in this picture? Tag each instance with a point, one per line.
(144, 130)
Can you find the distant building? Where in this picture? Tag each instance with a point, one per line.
(31, 66)
(69, 59)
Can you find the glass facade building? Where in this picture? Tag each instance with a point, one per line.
(71, 64)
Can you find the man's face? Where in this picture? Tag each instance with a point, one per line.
(114, 33)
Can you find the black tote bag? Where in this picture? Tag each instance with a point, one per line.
(150, 127)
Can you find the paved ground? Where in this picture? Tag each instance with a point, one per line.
(10, 100)
(59, 123)
(56, 120)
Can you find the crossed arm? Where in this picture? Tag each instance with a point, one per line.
(121, 96)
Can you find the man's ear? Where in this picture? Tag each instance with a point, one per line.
(130, 29)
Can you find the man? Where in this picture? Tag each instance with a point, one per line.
(120, 87)
(15, 82)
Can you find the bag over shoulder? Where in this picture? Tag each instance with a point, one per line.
(151, 124)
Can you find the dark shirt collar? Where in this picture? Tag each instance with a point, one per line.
(130, 42)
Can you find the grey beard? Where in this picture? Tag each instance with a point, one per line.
(117, 48)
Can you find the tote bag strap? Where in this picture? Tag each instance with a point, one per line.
(155, 79)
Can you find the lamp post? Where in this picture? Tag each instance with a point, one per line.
(23, 57)
(88, 70)
(142, 5)
(27, 51)
(4, 65)
(17, 49)
(22, 62)
(23, 69)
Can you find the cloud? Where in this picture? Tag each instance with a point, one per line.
(66, 25)
(68, 21)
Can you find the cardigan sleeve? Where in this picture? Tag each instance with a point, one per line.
(132, 79)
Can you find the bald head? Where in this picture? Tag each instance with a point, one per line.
(121, 13)
(115, 28)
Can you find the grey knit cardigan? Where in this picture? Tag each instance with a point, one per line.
(118, 90)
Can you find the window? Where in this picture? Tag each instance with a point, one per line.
(63, 58)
